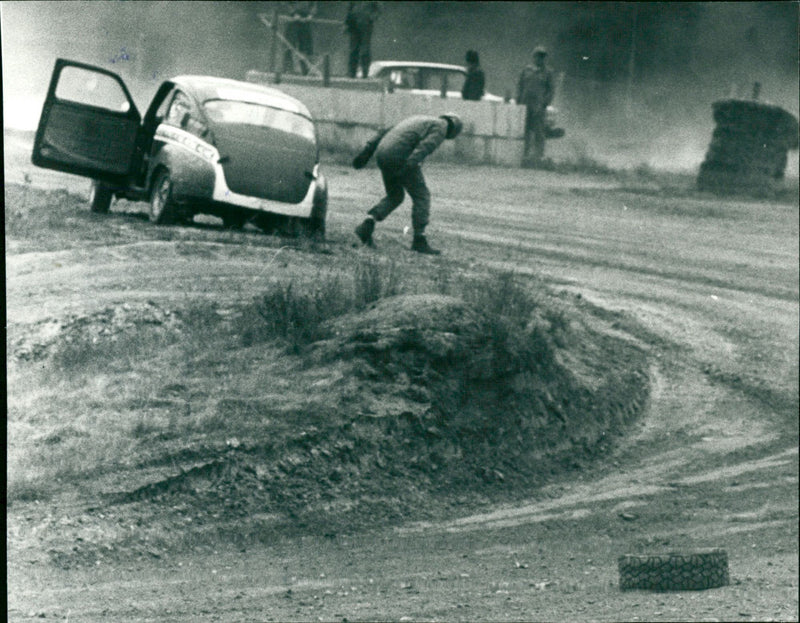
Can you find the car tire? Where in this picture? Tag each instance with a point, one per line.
(100, 196)
(687, 571)
(163, 210)
(315, 223)
(268, 223)
(315, 227)
(233, 221)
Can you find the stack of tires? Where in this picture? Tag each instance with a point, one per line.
(748, 150)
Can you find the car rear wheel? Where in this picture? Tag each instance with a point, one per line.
(100, 196)
(233, 221)
(315, 227)
(268, 223)
(162, 206)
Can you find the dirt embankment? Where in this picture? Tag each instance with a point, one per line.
(420, 399)
(402, 410)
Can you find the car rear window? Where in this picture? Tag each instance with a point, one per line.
(246, 113)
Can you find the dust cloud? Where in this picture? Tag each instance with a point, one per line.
(636, 80)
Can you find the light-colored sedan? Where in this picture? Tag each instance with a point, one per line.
(424, 78)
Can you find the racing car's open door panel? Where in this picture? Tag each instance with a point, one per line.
(89, 124)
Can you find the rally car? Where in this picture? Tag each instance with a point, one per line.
(235, 150)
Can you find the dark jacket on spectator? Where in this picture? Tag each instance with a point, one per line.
(535, 88)
(410, 141)
(361, 14)
(474, 83)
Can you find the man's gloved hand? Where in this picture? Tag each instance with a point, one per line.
(360, 161)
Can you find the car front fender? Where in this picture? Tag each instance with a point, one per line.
(192, 175)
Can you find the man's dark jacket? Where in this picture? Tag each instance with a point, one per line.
(406, 144)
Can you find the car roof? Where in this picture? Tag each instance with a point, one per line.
(210, 88)
(376, 66)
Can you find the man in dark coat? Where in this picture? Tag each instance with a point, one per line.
(535, 91)
(298, 33)
(359, 22)
(474, 82)
(399, 152)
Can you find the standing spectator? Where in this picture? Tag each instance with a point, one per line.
(474, 83)
(298, 33)
(535, 91)
(359, 22)
(400, 152)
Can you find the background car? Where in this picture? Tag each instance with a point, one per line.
(430, 79)
(424, 78)
(236, 150)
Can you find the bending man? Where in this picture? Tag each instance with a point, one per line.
(399, 152)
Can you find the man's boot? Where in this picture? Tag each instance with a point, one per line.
(364, 231)
(420, 245)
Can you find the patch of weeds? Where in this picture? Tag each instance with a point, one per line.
(374, 281)
(83, 351)
(200, 317)
(501, 295)
(295, 311)
(294, 314)
(559, 324)
(444, 281)
(520, 335)
(34, 214)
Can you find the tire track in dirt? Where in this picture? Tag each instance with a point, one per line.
(582, 501)
(46, 285)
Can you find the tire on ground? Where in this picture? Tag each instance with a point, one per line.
(268, 223)
(100, 196)
(315, 227)
(234, 221)
(163, 210)
(687, 571)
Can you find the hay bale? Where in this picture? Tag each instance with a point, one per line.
(748, 149)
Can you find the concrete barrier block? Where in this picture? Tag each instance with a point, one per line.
(316, 100)
(464, 150)
(364, 107)
(330, 104)
(510, 121)
(320, 102)
(446, 152)
(471, 149)
(327, 135)
(350, 138)
(478, 117)
(505, 152)
(398, 106)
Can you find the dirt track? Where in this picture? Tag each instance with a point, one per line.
(714, 463)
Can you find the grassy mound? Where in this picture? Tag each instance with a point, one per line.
(333, 404)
